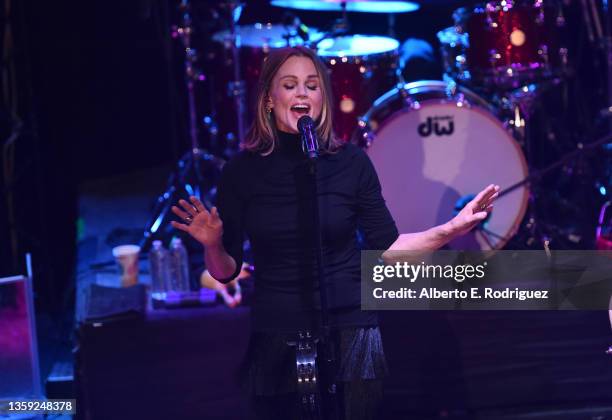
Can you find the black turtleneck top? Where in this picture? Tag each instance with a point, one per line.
(270, 200)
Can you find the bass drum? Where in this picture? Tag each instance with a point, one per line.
(434, 146)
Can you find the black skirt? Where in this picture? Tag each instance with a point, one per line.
(269, 367)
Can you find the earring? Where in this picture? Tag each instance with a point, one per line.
(269, 106)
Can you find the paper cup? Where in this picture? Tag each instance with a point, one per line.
(127, 260)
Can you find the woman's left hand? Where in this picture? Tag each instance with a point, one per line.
(474, 212)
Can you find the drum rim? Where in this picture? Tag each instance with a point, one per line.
(421, 86)
(488, 111)
(391, 51)
(401, 6)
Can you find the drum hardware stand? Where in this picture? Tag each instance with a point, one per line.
(537, 175)
(520, 105)
(295, 28)
(189, 177)
(340, 26)
(600, 36)
(391, 25)
(236, 89)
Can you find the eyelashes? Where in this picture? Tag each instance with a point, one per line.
(311, 87)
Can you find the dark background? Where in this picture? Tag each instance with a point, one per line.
(93, 90)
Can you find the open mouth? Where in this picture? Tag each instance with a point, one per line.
(301, 109)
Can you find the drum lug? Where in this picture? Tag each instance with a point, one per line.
(407, 100)
(494, 56)
(563, 55)
(491, 23)
(461, 101)
(451, 88)
(366, 135)
(543, 52)
(401, 89)
(461, 63)
(412, 103)
(453, 94)
(210, 126)
(560, 19)
(236, 89)
(540, 17)
(518, 125)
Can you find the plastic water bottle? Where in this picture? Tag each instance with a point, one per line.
(179, 267)
(159, 263)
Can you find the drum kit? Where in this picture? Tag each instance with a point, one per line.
(433, 143)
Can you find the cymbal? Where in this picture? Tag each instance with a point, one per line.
(273, 35)
(366, 6)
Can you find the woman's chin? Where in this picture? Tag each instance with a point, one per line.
(290, 128)
(290, 125)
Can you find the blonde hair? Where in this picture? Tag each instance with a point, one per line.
(262, 135)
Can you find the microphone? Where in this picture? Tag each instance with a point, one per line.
(310, 145)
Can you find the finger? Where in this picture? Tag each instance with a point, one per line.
(214, 213)
(188, 207)
(494, 192)
(488, 193)
(484, 198)
(491, 199)
(483, 193)
(180, 213)
(180, 226)
(198, 204)
(484, 204)
(480, 216)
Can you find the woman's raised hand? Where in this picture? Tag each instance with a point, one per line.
(475, 211)
(204, 226)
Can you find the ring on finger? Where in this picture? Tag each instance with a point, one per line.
(188, 219)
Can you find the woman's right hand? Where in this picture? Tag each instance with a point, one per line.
(204, 226)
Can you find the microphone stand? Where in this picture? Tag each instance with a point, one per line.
(328, 393)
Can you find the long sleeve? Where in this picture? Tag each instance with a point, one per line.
(374, 217)
(230, 205)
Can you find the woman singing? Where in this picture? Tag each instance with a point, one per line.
(265, 195)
